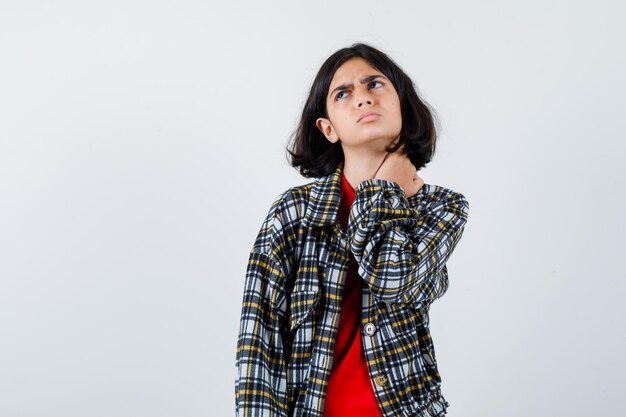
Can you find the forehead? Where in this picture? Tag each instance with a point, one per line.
(353, 68)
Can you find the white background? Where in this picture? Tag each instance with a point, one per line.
(142, 142)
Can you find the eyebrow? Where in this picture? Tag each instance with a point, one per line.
(364, 80)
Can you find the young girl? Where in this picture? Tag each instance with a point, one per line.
(340, 278)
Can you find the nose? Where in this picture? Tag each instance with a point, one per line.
(362, 96)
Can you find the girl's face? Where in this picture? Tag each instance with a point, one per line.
(356, 89)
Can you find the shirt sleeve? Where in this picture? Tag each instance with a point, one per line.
(260, 365)
(402, 249)
(260, 385)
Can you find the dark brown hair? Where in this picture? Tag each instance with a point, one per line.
(315, 156)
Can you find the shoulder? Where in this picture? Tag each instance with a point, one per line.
(280, 228)
(289, 206)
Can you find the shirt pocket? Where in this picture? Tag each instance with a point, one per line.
(303, 318)
(411, 356)
(404, 319)
(413, 326)
(303, 303)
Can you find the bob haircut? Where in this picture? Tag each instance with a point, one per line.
(314, 156)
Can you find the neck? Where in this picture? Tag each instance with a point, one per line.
(360, 165)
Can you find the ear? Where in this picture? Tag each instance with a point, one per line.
(327, 129)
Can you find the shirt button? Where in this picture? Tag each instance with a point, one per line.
(370, 329)
(381, 379)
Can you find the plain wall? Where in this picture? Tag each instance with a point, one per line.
(142, 143)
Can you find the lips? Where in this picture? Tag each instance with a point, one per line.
(366, 114)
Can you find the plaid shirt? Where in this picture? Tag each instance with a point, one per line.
(293, 291)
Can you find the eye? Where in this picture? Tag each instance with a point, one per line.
(339, 97)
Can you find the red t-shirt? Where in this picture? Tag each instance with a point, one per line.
(350, 391)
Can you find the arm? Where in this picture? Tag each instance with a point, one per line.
(402, 250)
(260, 365)
(260, 386)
